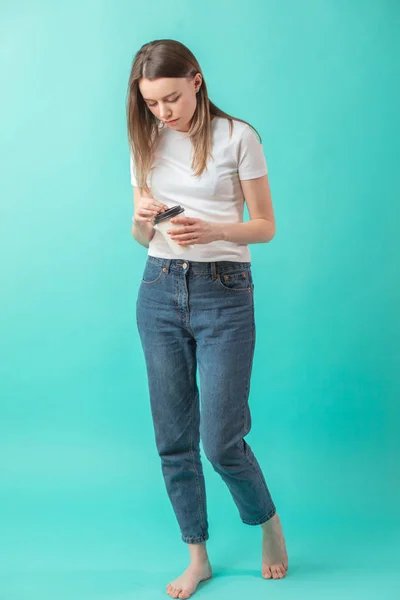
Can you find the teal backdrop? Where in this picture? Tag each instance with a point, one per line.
(83, 510)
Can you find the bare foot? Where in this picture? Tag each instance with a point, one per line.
(186, 584)
(274, 555)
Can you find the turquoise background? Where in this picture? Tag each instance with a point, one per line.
(83, 509)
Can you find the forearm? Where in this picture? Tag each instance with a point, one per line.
(143, 233)
(256, 231)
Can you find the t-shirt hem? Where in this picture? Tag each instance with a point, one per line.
(253, 175)
(222, 257)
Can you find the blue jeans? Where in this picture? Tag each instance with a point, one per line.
(201, 315)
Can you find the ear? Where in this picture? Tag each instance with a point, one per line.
(197, 80)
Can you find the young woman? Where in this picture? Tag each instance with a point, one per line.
(196, 310)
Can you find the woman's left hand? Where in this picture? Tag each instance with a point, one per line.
(194, 231)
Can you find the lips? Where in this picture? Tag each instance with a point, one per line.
(170, 122)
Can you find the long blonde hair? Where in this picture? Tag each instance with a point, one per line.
(167, 58)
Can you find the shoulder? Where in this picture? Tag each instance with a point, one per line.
(245, 133)
(241, 132)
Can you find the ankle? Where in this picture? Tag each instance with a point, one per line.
(273, 519)
(198, 554)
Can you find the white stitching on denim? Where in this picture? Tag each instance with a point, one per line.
(157, 278)
(241, 291)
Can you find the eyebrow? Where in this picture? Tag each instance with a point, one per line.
(165, 97)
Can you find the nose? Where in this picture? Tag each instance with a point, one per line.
(165, 113)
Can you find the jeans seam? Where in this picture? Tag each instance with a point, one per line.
(256, 467)
(152, 282)
(201, 510)
(249, 369)
(263, 519)
(195, 540)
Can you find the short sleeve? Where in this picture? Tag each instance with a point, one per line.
(251, 160)
(132, 170)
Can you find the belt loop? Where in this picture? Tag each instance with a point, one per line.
(168, 265)
(214, 270)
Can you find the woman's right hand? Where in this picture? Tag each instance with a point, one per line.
(146, 208)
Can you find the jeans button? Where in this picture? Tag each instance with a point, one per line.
(184, 265)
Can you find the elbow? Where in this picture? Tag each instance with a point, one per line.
(269, 231)
(273, 231)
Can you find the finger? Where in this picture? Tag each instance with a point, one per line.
(147, 209)
(155, 206)
(183, 237)
(179, 230)
(184, 221)
(149, 198)
(144, 212)
(139, 219)
(189, 242)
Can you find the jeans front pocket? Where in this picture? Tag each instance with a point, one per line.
(237, 282)
(153, 273)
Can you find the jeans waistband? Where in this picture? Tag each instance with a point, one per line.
(200, 268)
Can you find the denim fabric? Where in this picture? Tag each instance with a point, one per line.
(194, 315)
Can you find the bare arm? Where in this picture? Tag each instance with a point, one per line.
(145, 208)
(260, 228)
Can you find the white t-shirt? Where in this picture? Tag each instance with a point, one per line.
(214, 196)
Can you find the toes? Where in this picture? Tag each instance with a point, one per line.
(174, 592)
(275, 573)
(282, 569)
(266, 572)
(278, 571)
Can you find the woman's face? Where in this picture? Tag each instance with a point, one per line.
(172, 100)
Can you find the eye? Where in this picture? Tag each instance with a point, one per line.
(169, 102)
